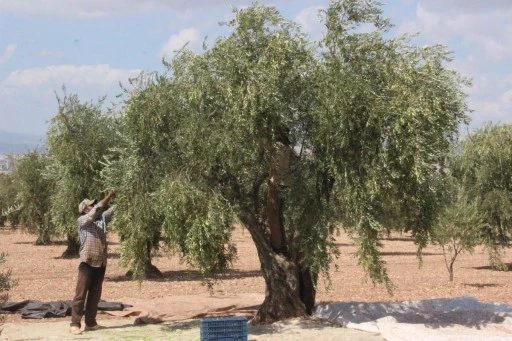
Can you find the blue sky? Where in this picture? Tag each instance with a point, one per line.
(92, 45)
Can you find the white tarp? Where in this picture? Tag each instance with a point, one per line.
(462, 318)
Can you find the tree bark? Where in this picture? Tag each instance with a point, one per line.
(274, 215)
(72, 251)
(307, 281)
(289, 287)
(280, 156)
(151, 270)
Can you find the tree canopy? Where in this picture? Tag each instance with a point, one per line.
(290, 138)
(78, 138)
(8, 192)
(34, 192)
(483, 167)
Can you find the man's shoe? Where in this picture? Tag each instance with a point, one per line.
(93, 328)
(75, 330)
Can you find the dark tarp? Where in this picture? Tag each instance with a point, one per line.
(30, 309)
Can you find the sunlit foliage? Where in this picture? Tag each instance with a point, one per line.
(33, 195)
(78, 138)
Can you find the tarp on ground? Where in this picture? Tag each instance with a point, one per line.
(461, 318)
(31, 309)
(177, 308)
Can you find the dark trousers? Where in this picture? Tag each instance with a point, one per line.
(88, 293)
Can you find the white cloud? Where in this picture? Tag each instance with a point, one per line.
(9, 52)
(309, 20)
(177, 41)
(480, 33)
(29, 95)
(486, 29)
(491, 101)
(490, 110)
(101, 75)
(507, 97)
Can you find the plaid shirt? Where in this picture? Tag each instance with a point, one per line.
(92, 230)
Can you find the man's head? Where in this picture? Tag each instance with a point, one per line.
(85, 206)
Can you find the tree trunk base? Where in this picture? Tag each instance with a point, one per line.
(151, 272)
(73, 249)
(69, 254)
(271, 312)
(43, 239)
(283, 294)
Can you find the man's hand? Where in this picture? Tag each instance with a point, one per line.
(107, 197)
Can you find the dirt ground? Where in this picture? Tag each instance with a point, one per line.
(43, 276)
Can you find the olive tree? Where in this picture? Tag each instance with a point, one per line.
(7, 199)
(34, 191)
(291, 139)
(78, 138)
(9, 210)
(6, 283)
(136, 167)
(458, 225)
(484, 168)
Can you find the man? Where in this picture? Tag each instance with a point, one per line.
(92, 225)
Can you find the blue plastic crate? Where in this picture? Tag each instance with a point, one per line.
(224, 329)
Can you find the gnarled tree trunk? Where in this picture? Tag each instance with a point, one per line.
(284, 282)
(290, 286)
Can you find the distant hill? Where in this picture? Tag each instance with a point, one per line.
(15, 143)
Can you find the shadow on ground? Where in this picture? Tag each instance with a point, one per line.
(186, 275)
(409, 254)
(488, 267)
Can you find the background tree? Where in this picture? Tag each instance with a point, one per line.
(78, 138)
(6, 283)
(485, 170)
(290, 140)
(458, 225)
(34, 192)
(7, 200)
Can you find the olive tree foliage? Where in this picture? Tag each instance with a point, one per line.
(5, 199)
(8, 209)
(458, 224)
(6, 283)
(484, 168)
(136, 167)
(79, 137)
(34, 192)
(290, 138)
(387, 113)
